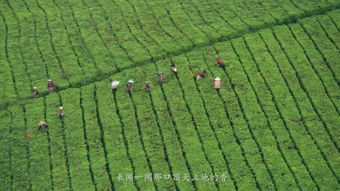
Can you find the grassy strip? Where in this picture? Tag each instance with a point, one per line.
(28, 51)
(154, 145)
(89, 80)
(165, 41)
(172, 142)
(102, 139)
(327, 82)
(242, 97)
(123, 56)
(96, 149)
(5, 151)
(300, 101)
(330, 29)
(76, 138)
(215, 147)
(335, 18)
(43, 44)
(187, 127)
(95, 49)
(205, 130)
(106, 66)
(75, 35)
(224, 127)
(248, 58)
(40, 159)
(133, 135)
(64, 46)
(11, 53)
(276, 95)
(59, 152)
(268, 83)
(20, 177)
(117, 151)
(7, 77)
(165, 18)
(323, 45)
(314, 100)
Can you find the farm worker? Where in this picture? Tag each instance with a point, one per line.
(114, 85)
(174, 69)
(160, 77)
(129, 86)
(217, 83)
(61, 112)
(35, 92)
(43, 124)
(147, 86)
(219, 63)
(50, 86)
(201, 75)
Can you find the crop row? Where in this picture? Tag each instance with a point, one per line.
(272, 125)
(82, 41)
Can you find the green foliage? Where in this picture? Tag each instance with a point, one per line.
(272, 126)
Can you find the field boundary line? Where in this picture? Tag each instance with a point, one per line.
(142, 141)
(56, 55)
(313, 67)
(68, 38)
(36, 40)
(166, 155)
(149, 61)
(49, 145)
(283, 120)
(124, 138)
(178, 136)
(27, 147)
(79, 31)
(10, 152)
(311, 63)
(67, 161)
(9, 62)
(140, 25)
(245, 118)
(264, 112)
(331, 18)
(309, 98)
(322, 55)
(99, 35)
(133, 35)
(86, 140)
(327, 35)
(19, 43)
(234, 132)
(213, 129)
(102, 139)
(113, 33)
(195, 125)
(298, 107)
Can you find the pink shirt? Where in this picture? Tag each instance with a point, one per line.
(217, 84)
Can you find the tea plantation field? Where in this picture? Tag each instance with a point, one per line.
(273, 125)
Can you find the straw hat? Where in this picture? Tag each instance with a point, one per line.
(130, 81)
(49, 80)
(217, 78)
(146, 82)
(61, 107)
(35, 88)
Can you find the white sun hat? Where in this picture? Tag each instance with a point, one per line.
(115, 83)
(217, 78)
